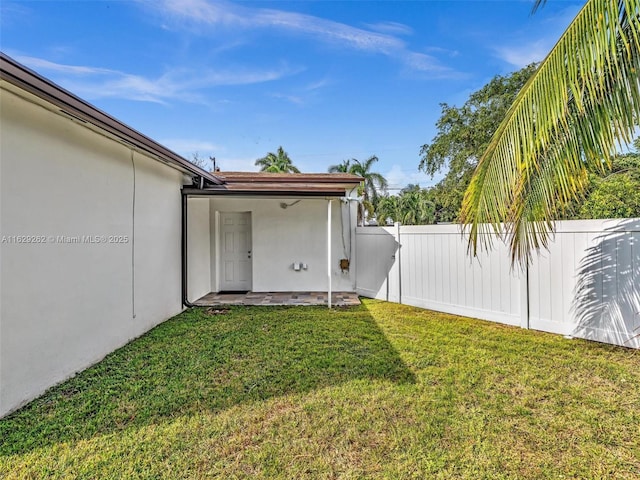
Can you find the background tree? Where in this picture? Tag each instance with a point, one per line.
(614, 194)
(373, 185)
(278, 162)
(446, 197)
(388, 209)
(581, 103)
(412, 206)
(416, 206)
(203, 163)
(463, 135)
(341, 167)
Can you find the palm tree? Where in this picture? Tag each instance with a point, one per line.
(388, 208)
(278, 162)
(341, 167)
(582, 102)
(416, 207)
(412, 207)
(372, 186)
(374, 183)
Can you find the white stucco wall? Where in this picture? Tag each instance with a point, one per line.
(64, 306)
(281, 237)
(198, 248)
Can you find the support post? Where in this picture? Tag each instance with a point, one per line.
(329, 252)
(399, 262)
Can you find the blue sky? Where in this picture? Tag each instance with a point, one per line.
(327, 80)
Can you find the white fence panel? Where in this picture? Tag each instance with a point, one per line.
(376, 263)
(438, 274)
(586, 285)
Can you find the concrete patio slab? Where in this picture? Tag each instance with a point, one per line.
(338, 299)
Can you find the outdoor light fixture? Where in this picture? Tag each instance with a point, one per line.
(285, 205)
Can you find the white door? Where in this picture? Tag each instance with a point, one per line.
(235, 251)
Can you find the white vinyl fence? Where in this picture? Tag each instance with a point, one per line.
(586, 285)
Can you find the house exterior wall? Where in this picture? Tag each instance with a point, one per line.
(295, 234)
(106, 265)
(198, 248)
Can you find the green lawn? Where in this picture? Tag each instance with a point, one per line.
(377, 391)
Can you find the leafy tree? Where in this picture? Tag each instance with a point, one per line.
(372, 186)
(278, 162)
(569, 117)
(463, 135)
(616, 194)
(614, 197)
(446, 197)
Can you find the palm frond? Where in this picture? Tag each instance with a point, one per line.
(278, 162)
(343, 167)
(581, 104)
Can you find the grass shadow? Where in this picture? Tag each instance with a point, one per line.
(196, 362)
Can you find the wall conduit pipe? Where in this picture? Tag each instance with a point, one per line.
(183, 256)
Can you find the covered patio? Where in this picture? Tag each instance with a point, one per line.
(291, 235)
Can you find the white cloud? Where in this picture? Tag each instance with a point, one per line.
(303, 95)
(441, 50)
(522, 55)
(398, 178)
(379, 38)
(329, 31)
(392, 28)
(41, 64)
(318, 84)
(242, 76)
(176, 84)
(186, 146)
(12, 13)
(530, 46)
(424, 63)
(205, 149)
(295, 99)
(232, 15)
(230, 164)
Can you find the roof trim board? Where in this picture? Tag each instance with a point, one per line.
(267, 177)
(280, 191)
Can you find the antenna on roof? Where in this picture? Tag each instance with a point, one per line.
(216, 168)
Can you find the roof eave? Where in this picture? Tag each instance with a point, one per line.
(261, 177)
(222, 191)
